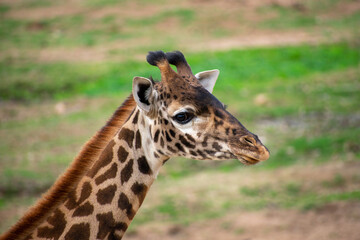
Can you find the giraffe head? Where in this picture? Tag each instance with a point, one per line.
(187, 120)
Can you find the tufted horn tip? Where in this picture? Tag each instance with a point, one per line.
(175, 57)
(156, 57)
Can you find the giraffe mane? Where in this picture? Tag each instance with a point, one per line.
(71, 177)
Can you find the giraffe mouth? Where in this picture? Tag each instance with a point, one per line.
(246, 160)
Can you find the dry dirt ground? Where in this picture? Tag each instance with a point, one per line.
(332, 221)
(237, 29)
(336, 220)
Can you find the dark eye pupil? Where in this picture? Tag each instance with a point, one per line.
(183, 117)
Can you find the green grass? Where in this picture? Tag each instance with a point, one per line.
(255, 68)
(3, 9)
(52, 80)
(321, 148)
(24, 182)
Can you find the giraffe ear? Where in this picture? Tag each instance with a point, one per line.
(208, 79)
(142, 91)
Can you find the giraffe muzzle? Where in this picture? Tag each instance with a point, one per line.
(249, 150)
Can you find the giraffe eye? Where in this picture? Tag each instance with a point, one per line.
(183, 117)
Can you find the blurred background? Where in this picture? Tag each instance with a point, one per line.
(289, 71)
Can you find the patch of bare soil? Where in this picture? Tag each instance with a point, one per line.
(342, 9)
(42, 13)
(126, 9)
(261, 38)
(339, 220)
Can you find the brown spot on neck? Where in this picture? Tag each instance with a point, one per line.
(108, 226)
(127, 171)
(140, 190)
(58, 223)
(138, 140)
(84, 210)
(106, 195)
(144, 166)
(109, 174)
(71, 203)
(127, 135)
(104, 159)
(135, 119)
(79, 231)
(122, 154)
(124, 204)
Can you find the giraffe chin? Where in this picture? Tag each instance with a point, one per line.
(246, 160)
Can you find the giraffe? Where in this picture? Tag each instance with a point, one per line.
(100, 193)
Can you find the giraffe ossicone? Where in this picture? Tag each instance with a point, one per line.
(100, 193)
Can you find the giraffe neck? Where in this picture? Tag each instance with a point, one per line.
(109, 195)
